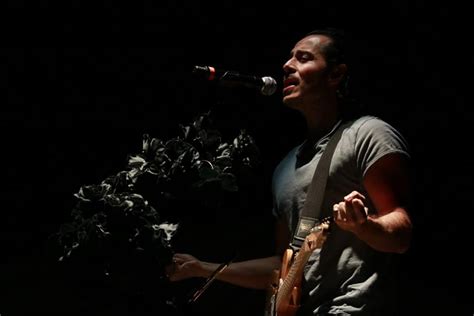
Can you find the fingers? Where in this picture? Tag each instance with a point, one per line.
(343, 212)
(182, 257)
(183, 266)
(337, 213)
(351, 212)
(353, 195)
(359, 210)
(176, 271)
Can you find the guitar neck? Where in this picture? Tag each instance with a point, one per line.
(286, 288)
(288, 294)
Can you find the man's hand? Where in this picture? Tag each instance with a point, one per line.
(351, 214)
(184, 266)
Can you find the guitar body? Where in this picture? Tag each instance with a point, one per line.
(283, 296)
(289, 307)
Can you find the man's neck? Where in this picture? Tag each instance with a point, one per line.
(321, 122)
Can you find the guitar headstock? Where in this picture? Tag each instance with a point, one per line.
(318, 235)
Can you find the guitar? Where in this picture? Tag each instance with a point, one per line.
(283, 297)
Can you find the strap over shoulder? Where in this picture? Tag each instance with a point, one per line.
(314, 198)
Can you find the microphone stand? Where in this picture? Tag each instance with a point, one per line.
(209, 281)
(185, 307)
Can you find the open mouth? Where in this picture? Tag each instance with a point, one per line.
(289, 84)
(290, 81)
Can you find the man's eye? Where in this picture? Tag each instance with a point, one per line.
(304, 57)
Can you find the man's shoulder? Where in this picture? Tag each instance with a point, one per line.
(369, 124)
(367, 120)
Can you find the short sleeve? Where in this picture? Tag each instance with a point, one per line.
(376, 138)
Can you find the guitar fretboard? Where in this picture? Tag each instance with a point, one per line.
(286, 288)
(293, 278)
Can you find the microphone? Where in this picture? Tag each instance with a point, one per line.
(266, 85)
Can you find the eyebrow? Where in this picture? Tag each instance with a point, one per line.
(301, 51)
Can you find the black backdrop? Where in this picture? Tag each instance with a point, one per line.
(83, 81)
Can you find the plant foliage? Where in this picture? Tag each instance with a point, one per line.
(119, 220)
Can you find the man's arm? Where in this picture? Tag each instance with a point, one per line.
(387, 183)
(255, 273)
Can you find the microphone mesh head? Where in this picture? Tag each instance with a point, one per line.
(269, 86)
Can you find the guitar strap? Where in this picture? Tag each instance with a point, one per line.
(316, 190)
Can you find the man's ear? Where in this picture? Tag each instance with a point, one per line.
(337, 74)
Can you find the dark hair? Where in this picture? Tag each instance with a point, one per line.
(335, 50)
(335, 54)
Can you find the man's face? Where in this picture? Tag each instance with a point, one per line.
(305, 73)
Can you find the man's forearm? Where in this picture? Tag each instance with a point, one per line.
(388, 233)
(256, 273)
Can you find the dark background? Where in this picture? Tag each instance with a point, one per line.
(82, 81)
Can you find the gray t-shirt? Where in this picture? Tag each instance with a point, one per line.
(346, 276)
